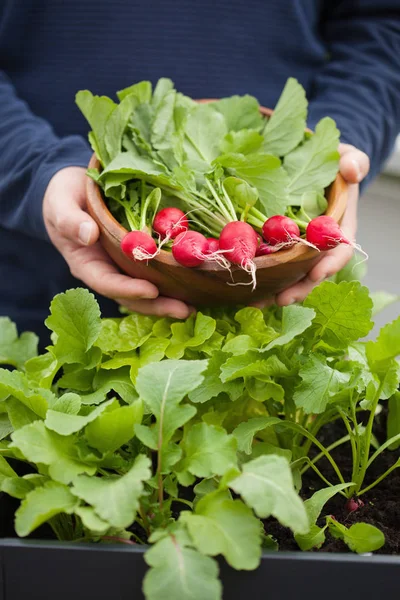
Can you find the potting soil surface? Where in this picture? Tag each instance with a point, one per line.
(381, 504)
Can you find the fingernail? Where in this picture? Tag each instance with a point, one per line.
(358, 170)
(150, 295)
(85, 232)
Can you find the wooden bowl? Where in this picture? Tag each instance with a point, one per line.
(208, 285)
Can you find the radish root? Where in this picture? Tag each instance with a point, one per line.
(141, 254)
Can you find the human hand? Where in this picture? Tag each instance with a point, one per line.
(75, 235)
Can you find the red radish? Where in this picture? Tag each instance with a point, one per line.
(353, 504)
(213, 245)
(239, 241)
(264, 249)
(280, 230)
(189, 248)
(139, 245)
(324, 233)
(170, 222)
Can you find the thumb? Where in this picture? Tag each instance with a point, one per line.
(63, 208)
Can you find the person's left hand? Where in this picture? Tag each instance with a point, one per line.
(354, 166)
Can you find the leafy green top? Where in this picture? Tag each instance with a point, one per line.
(158, 423)
(191, 152)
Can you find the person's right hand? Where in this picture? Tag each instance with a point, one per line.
(75, 235)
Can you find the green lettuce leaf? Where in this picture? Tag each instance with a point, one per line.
(111, 430)
(205, 128)
(208, 451)
(266, 484)
(16, 384)
(115, 499)
(212, 385)
(239, 112)
(40, 445)
(14, 350)
(41, 504)
(265, 173)
(314, 164)
(75, 321)
(123, 335)
(179, 571)
(190, 334)
(162, 386)
(343, 312)
(220, 525)
(96, 110)
(284, 129)
(319, 384)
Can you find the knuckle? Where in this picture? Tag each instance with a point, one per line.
(61, 223)
(75, 272)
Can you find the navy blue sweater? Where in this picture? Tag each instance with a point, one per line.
(345, 53)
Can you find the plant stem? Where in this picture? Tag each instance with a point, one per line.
(382, 448)
(196, 204)
(254, 221)
(128, 213)
(314, 440)
(368, 433)
(314, 468)
(145, 520)
(354, 452)
(342, 440)
(229, 203)
(62, 526)
(258, 214)
(219, 202)
(385, 474)
(182, 501)
(353, 404)
(160, 480)
(142, 204)
(137, 538)
(314, 428)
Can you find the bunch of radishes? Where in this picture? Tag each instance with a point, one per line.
(238, 243)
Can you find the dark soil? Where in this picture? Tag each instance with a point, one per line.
(381, 504)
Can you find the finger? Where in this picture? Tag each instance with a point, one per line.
(73, 223)
(331, 263)
(334, 260)
(354, 164)
(349, 222)
(64, 207)
(93, 266)
(161, 307)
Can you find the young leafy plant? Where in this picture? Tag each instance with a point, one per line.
(190, 436)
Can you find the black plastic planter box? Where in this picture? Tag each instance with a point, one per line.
(50, 570)
(43, 570)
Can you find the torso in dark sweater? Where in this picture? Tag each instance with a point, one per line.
(52, 48)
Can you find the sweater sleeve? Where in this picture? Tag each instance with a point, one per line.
(30, 154)
(359, 86)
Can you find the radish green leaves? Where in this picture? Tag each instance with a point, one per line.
(163, 139)
(191, 436)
